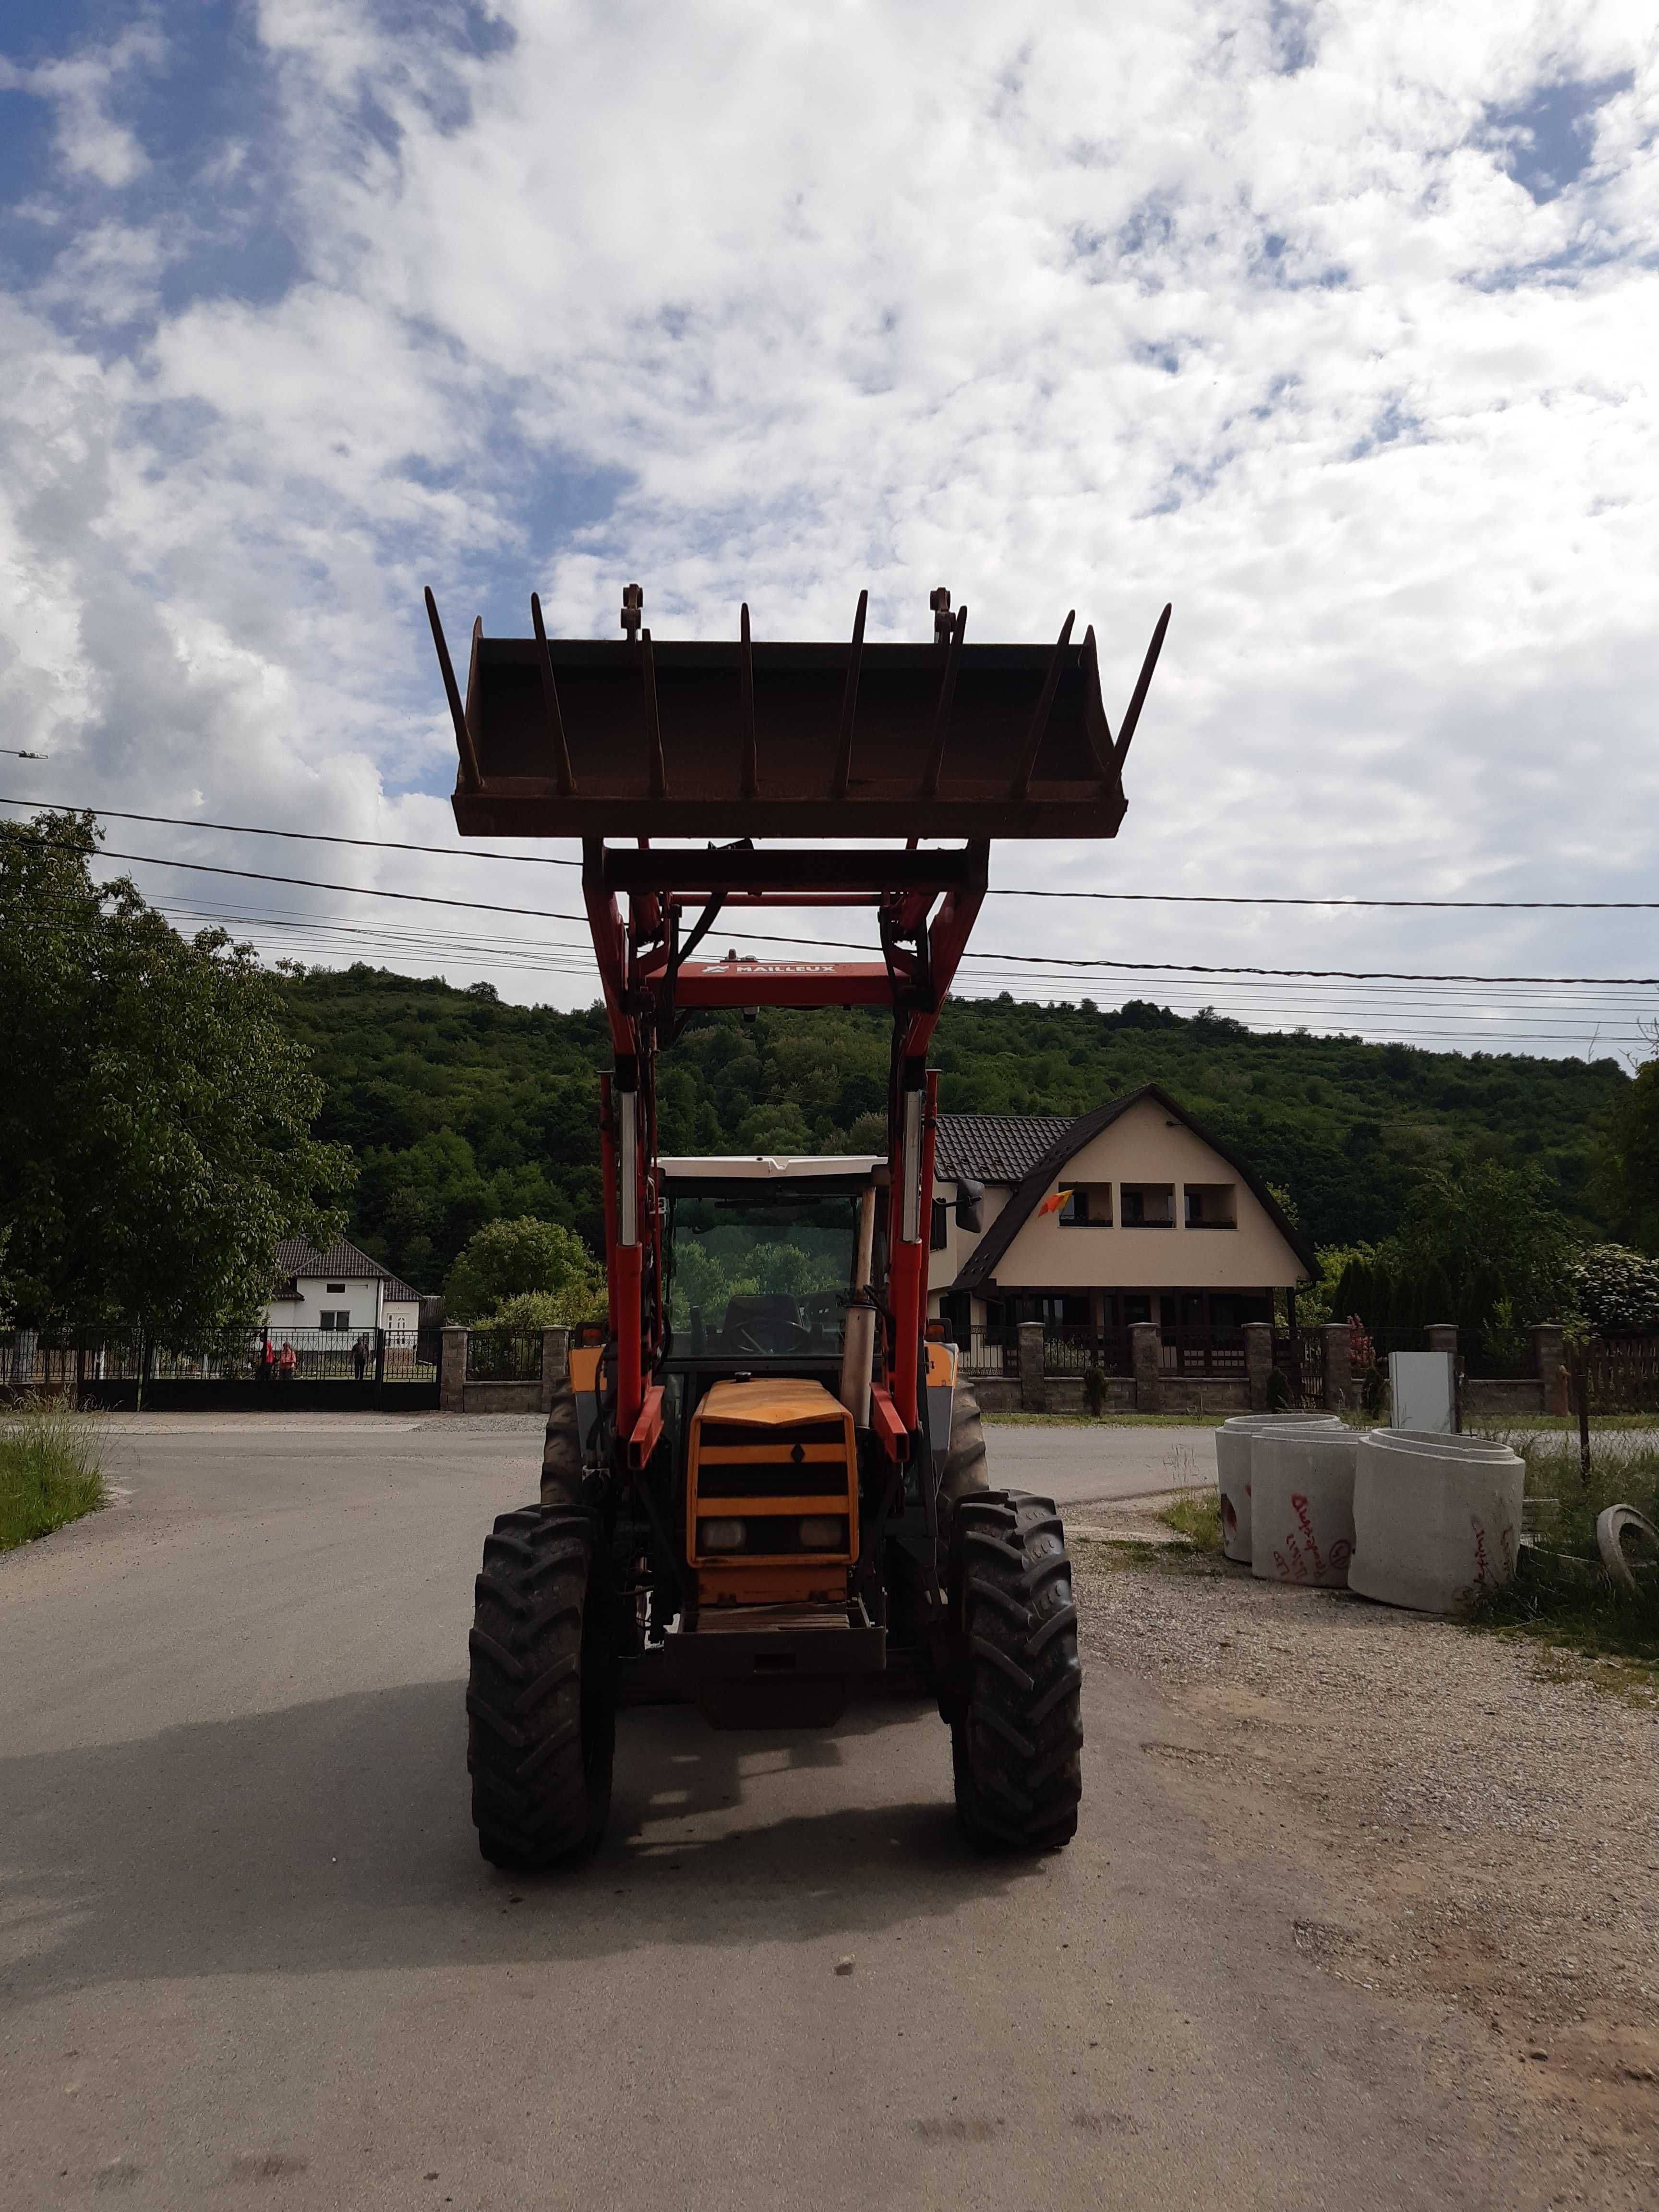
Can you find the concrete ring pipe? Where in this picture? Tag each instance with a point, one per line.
(1437, 1519)
(1303, 1507)
(1232, 1469)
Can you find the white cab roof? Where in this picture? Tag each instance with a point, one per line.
(761, 1167)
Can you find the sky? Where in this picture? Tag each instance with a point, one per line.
(1336, 326)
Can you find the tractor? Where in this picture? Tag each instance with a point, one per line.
(764, 1486)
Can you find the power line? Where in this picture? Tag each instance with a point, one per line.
(996, 890)
(1074, 961)
(303, 836)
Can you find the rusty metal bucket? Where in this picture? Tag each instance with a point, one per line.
(635, 738)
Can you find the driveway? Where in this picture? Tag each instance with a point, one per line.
(248, 1947)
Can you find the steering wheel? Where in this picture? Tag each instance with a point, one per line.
(746, 1337)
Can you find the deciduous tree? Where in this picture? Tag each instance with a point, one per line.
(156, 1108)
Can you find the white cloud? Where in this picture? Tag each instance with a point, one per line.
(1237, 307)
(83, 88)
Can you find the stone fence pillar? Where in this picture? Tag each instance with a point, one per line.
(1258, 1361)
(1146, 1360)
(1441, 1336)
(1549, 1364)
(1033, 1383)
(555, 1363)
(1339, 1365)
(452, 1371)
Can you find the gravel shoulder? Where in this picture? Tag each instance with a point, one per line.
(1490, 1810)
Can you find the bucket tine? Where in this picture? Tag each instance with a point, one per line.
(1022, 783)
(551, 702)
(464, 745)
(850, 700)
(654, 759)
(751, 749)
(1139, 700)
(1096, 729)
(947, 692)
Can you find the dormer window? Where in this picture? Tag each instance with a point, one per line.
(1089, 1206)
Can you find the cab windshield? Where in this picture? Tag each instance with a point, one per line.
(762, 1274)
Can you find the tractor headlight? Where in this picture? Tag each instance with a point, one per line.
(823, 1532)
(721, 1535)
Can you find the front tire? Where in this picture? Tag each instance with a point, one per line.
(1016, 1719)
(541, 1695)
(965, 1473)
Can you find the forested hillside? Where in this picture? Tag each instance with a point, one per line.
(460, 1108)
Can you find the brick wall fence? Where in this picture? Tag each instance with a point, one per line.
(1147, 1389)
(458, 1393)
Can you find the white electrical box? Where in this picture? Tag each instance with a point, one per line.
(1423, 1392)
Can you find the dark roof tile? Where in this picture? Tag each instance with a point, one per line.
(994, 1147)
(341, 1261)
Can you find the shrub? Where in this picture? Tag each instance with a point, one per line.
(49, 1470)
(532, 1309)
(1615, 1288)
(506, 1259)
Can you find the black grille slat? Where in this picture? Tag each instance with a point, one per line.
(797, 1432)
(813, 1481)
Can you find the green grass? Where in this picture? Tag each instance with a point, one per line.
(49, 1470)
(1198, 1518)
(1564, 1597)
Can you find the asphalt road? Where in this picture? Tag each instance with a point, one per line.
(247, 1947)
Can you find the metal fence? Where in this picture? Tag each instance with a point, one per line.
(990, 1351)
(1212, 1351)
(1299, 1355)
(1070, 1347)
(1621, 1374)
(59, 1361)
(504, 1355)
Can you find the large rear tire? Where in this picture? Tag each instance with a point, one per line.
(541, 1697)
(1016, 1719)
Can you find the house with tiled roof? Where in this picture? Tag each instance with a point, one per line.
(339, 1289)
(1131, 1213)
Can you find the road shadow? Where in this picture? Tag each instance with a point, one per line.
(337, 1834)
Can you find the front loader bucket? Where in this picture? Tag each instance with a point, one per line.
(588, 737)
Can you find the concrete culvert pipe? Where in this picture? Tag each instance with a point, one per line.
(1303, 1506)
(1437, 1519)
(1610, 1529)
(1232, 1467)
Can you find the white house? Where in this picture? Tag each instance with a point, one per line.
(1130, 1214)
(340, 1290)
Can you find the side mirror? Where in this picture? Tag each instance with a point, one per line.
(970, 1205)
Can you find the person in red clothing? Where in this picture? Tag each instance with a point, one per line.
(285, 1363)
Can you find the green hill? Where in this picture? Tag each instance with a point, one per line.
(460, 1108)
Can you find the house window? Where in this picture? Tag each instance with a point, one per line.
(1148, 1205)
(1211, 1206)
(341, 1320)
(1088, 1206)
(1137, 1307)
(940, 1228)
(337, 1290)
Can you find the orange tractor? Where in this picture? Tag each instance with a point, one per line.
(767, 1483)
